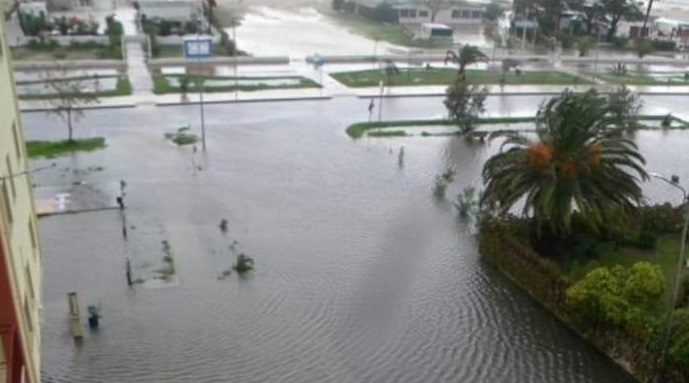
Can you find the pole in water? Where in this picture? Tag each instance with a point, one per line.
(129, 272)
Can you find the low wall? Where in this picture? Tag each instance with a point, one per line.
(61, 40)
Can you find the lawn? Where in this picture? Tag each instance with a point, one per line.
(445, 76)
(392, 33)
(665, 255)
(73, 52)
(175, 51)
(161, 85)
(124, 88)
(52, 149)
(642, 79)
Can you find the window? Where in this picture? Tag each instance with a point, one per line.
(476, 14)
(466, 14)
(456, 14)
(408, 13)
(10, 178)
(17, 145)
(423, 13)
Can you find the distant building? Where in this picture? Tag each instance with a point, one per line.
(20, 253)
(417, 12)
(174, 10)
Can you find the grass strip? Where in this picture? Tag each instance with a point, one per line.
(123, 88)
(52, 149)
(161, 85)
(445, 76)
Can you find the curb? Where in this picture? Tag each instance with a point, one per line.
(24, 109)
(281, 99)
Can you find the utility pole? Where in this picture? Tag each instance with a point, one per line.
(648, 12)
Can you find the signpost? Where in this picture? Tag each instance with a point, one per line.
(199, 47)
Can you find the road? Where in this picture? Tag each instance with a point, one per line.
(361, 275)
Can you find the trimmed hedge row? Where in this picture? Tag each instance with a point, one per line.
(501, 243)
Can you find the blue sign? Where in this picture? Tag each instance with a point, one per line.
(198, 48)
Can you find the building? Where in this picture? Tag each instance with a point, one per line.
(172, 10)
(419, 12)
(20, 253)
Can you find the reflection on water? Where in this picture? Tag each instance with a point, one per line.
(361, 276)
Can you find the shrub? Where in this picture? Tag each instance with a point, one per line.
(643, 48)
(664, 45)
(666, 122)
(584, 45)
(620, 41)
(587, 245)
(646, 240)
(567, 41)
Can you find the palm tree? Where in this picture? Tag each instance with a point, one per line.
(579, 161)
(468, 55)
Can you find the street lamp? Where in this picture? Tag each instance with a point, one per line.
(674, 181)
(15, 175)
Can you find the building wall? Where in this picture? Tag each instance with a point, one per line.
(466, 14)
(182, 10)
(20, 255)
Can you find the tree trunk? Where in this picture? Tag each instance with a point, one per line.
(69, 125)
(433, 14)
(613, 27)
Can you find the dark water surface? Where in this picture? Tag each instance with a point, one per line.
(361, 275)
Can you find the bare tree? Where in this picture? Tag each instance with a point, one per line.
(435, 6)
(67, 94)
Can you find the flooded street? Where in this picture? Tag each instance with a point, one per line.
(361, 275)
(301, 28)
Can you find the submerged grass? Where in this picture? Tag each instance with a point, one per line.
(52, 149)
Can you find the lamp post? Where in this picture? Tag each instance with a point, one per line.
(674, 181)
(27, 172)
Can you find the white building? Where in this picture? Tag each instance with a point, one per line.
(417, 12)
(177, 10)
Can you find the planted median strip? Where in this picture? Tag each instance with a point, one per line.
(399, 128)
(52, 149)
(446, 76)
(165, 84)
(123, 87)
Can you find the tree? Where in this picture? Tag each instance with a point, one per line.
(71, 94)
(584, 44)
(467, 55)
(435, 6)
(493, 11)
(465, 103)
(616, 10)
(579, 161)
(625, 106)
(390, 70)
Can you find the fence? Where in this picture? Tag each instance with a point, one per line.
(61, 40)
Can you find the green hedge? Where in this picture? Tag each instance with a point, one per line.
(502, 244)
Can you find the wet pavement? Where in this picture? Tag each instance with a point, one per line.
(361, 275)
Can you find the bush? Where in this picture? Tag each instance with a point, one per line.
(666, 122)
(566, 41)
(620, 41)
(584, 45)
(587, 245)
(664, 45)
(646, 240)
(643, 48)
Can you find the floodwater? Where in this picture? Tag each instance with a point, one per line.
(299, 33)
(361, 275)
